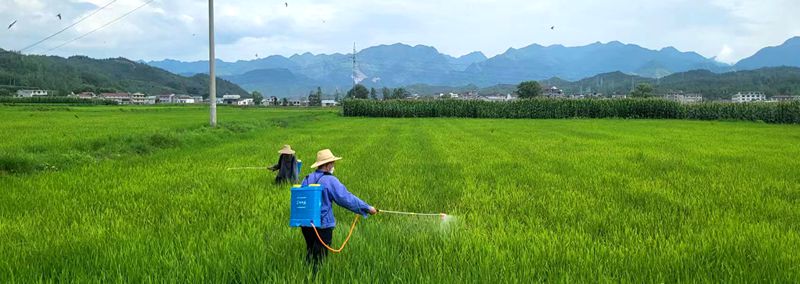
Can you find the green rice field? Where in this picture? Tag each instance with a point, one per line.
(142, 194)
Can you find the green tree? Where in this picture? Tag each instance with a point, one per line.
(315, 98)
(642, 90)
(284, 102)
(373, 94)
(358, 92)
(399, 94)
(387, 94)
(105, 90)
(257, 97)
(529, 89)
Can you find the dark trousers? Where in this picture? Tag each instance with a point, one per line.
(315, 252)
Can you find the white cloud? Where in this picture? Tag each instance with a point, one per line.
(178, 28)
(725, 54)
(29, 4)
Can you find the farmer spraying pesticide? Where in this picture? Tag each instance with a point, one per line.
(332, 191)
(311, 208)
(288, 166)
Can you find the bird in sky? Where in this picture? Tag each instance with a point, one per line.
(286, 3)
(59, 16)
(12, 24)
(553, 27)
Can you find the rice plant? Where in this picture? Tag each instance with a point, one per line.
(546, 200)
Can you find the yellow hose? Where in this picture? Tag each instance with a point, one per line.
(345, 240)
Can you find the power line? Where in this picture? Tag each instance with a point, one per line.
(64, 29)
(103, 26)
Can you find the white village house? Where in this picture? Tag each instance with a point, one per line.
(185, 99)
(498, 98)
(120, 98)
(151, 100)
(231, 99)
(748, 97)
(297, 102)
(329, 103)
(246, 102)
(684, 98)
(138, 98)
(619, 96)
(167, 99)
(554, 92)
(271, 101)
(31, 93)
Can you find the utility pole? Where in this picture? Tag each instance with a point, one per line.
(632, 87)
(212, 80)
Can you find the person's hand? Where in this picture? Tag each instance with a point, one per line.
(372, 211)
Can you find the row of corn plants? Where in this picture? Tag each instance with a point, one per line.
(773, 112)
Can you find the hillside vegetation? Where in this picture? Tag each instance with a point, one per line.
(80, 73)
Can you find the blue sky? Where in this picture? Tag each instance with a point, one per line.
(727, 29)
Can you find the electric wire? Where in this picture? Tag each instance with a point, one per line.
(66, 28)
(103, 26)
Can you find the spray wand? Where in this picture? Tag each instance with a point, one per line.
(299, 167)
(248, 168)
(441, 215)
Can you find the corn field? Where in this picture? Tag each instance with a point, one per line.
(778, 112)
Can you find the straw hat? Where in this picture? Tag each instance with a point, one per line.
(286, 150)
(323, 157)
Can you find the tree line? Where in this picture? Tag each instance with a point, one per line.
(533, 89)
(361, 92)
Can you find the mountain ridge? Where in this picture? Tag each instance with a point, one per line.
(785, 54)
(398, 64)
(81, 73)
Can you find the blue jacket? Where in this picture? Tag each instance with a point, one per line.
(335, 191)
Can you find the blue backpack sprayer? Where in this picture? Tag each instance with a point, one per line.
(306, 212)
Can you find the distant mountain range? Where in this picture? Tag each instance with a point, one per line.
(81, 73)
(403, 65)
(786, 54)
